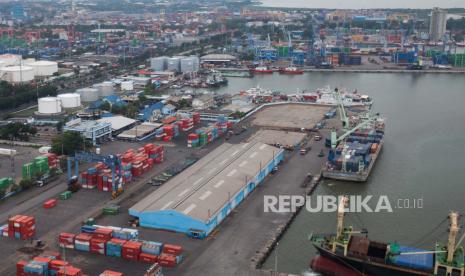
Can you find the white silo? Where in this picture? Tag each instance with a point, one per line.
(44, 68)
(10, 60)
(88, 94)
(127, 85)
(105, 88)
(17, 73)
(49, 105)
(70, 100)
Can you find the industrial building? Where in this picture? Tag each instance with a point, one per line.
(437, 25)
(118, 123)
(196, 201)
(218, 59)
(92, 130)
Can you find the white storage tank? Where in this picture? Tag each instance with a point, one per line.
(105, 88)
(190, 64)
(158, 63)
(17, 73)
(88, 94)
(70, 100)
(44, 68)
(174, 64)
(127, 85)
(10, 60)
(49, 105)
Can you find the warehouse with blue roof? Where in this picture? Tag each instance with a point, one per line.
(198, 199)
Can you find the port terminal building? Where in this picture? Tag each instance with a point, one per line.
(198, 199)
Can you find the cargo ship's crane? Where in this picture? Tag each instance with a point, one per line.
(112, 161)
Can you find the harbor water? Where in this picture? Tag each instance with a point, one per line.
(423, 158)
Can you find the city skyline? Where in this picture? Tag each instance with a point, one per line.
(365, 4)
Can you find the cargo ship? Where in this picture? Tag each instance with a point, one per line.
(347, 249)
(354, 157)
(291, 70)
(261, 70)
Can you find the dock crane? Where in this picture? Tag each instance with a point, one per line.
(112, 161)
(367, 120)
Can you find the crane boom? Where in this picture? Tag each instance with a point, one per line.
(335, 139)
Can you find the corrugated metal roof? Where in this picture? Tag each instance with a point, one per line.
(204, 188)
(117, 122)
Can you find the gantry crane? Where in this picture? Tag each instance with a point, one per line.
(112, 161)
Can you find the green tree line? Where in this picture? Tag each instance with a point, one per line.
(12, 96)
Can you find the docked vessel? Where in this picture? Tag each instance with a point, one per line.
(354, 151)
(291, 70)
(363, 256)
(261, 70)
(354, 158)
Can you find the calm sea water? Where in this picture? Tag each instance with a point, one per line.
(423, 157)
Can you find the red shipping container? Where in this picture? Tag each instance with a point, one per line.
(98, 246)
(69, 271)
(50, 203)
(111, 273)
(132, 247)
(20, 268)
(129, 256)
(42, 259)
(83, 237)
(103, 233)
(65, 239)
(167, 260)
(172, 249)
(148, 258)
(57, 264)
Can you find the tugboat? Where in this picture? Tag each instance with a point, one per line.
(368, 257)
(261, 70)
(291, 70)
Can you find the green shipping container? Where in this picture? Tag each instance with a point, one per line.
(5, 183)
(65, 195)
(457, 60)
(28, 170)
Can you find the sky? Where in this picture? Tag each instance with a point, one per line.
(365, 4)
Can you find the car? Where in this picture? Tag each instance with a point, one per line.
(317, 137)
(303, 151)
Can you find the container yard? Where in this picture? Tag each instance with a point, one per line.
(252, 160)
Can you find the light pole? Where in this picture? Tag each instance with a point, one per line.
(276, 258)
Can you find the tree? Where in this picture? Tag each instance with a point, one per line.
(69, 142)
(17, 131)
(105, 106)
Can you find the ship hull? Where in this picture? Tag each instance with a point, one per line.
(369, 268)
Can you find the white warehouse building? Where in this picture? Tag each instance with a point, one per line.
(198, 199)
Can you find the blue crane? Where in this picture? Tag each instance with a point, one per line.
(112, 161)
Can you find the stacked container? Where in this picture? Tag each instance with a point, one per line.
(52, 160)
(21, 227)
(41, 163)
(196, 117)
(131, 250)
(82, 242)
(66, 240)
(5, 183)
(122, 243)
(193, 140)
(115, 247)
